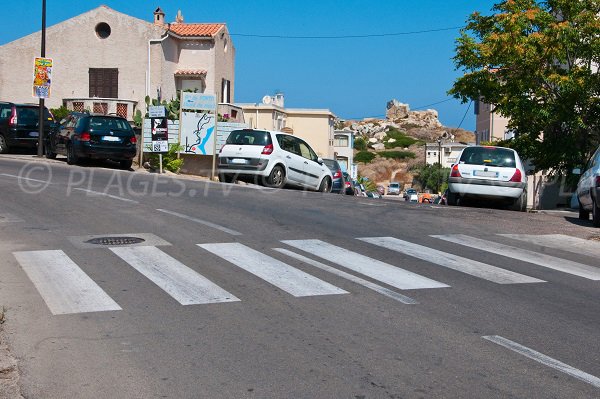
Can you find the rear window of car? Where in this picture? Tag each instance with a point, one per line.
(488, 156)
(104, 123)
(331, 164)
(31, 115)
(249, 137)
(394, 185)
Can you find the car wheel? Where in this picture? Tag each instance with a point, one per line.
(72, 159)
(325, 186)
(595, 214)
(225, 178)
(3, 145)
(126, 164)
(583, 214)
(520, 204)
(276, 178)
(48, 151)
(452, 198)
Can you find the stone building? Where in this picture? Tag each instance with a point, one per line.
(108, 62)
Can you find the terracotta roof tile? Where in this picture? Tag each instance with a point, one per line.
(190, 72)
(195, 30)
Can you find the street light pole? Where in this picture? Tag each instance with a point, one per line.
(439, 164)
(40, 152)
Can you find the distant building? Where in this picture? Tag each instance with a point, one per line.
(444, 153)
(343, 149)
(490, 126)
(108, 62)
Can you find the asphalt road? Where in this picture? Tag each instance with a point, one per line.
(244, 292)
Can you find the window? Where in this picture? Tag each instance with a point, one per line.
(103, 30)
(225, 91)
(104, 82)
(122, 110)
(78, 106)
(341, 141)
(100, 108)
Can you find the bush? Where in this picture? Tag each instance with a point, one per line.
(397, 154)
(360, 144)
(170, 160)
(400, 139)
(59, 113)
(364, 157)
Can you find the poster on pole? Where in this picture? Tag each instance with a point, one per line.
(42, 77)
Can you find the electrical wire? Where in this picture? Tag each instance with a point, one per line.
(347, 36)
(465, 115)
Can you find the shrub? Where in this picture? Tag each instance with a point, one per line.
(364, 157)
(360, 144)
(170, 160)
(400, 139)
(59, 113)
(397, 154)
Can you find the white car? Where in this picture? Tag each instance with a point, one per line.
(488, 172)
(273, 159)
(588, 189)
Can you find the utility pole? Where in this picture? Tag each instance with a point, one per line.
(42, 117)
(439, 164)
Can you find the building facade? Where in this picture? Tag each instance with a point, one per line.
(117, 60)
(444, 153)
(490, 126)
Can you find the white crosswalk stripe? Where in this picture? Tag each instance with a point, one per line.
(451, 261)
(185, 285)
(65, 288)
(536, 258)
(372, 286)
(281, 275)
(562, 242)
(384, 272)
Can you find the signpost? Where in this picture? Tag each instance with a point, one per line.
(160, 131)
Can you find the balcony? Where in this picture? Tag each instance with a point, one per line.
(117, 106)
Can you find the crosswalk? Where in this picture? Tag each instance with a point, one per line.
(67, 289)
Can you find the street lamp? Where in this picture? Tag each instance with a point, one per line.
(439, 141)
(40, 152)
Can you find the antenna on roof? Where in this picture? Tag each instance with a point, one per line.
(267, 100)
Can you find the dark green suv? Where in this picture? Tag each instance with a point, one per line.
(19, 125)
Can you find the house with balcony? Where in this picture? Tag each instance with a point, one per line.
(316, 126)
(444, 153)
(105, 61)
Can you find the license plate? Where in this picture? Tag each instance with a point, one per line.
(110, 138)
(482, 173)
(34, 134)
(239, 161)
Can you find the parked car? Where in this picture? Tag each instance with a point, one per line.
(588, 190)
(359, 189)
(489, 173)
(393, 189)
(82, 135)
(380, 190)
(373, 194)
(274, 159)
(19, 125)
(338, 185)
(349, 186)
(408, 193)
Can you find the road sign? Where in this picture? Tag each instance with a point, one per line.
(156, 111)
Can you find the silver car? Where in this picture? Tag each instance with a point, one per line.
(588, 189)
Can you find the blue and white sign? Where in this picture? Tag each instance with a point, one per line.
(198, 133)
(198, 101)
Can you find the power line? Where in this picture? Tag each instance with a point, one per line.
(415, 108)
(347, 36)
(439, 102)
(465, 115)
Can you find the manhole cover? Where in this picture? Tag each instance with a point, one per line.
(115, 240)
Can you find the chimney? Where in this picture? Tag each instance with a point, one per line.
(179, 18)
(159, 17)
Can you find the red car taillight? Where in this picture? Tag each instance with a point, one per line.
(516, 177)
(12, 122)
(455, 172)
(85, 136)
(337, 174)
(267, 150)
(133, 140)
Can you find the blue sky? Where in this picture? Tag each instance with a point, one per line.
(353, 77)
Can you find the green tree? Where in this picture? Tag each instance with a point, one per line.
(432, 176)
(360, 144)
(534, 61)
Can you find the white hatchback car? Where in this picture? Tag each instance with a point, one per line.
(273, 159)
(488, 172)
(588, 190)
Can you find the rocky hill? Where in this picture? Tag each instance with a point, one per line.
(397, 143)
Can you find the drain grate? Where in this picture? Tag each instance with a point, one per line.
(115, 240)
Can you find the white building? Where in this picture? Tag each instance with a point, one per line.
(444, 153)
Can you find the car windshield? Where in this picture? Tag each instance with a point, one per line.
(489, 156)
(394, 185)
(249, 137)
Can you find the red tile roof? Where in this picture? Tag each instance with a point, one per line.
(190, 72)
(195, 30)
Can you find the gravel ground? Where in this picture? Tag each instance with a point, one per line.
(9, 371)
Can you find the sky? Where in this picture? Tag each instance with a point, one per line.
(352, 76)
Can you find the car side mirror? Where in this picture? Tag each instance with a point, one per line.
(576, 171)
(320, 161)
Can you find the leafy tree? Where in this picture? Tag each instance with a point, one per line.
(60, 113)
(536, 63)
(430, 176)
